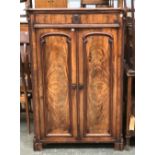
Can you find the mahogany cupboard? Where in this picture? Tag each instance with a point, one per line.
(23, 27)
(77, 57)
(51, 3)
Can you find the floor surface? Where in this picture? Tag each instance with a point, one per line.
(26, 146)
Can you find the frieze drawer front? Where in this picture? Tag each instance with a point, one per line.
(68, 18)
(77, 75)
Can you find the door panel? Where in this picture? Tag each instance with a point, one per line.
(50, 3)
(98, 84)
(56, 64)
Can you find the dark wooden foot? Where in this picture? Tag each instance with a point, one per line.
(119, 145)
(37, 146)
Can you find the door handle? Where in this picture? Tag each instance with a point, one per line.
(77, 86)
(80, 86)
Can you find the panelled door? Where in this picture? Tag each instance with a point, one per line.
(96, 74)
(57, 74)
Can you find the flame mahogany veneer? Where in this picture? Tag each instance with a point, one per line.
(77, 64)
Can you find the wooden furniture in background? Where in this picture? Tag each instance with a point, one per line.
(25, 54)
(25, 76)
(130, 108)
(50, 3)
(129, 78)
(24, 40)
(98, 3)
(23, 27)
(77, 57)
(130, 36)
(24, 95)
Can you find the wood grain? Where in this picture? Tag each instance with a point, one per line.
(84, 18)
(56, 83)
(98, 84)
